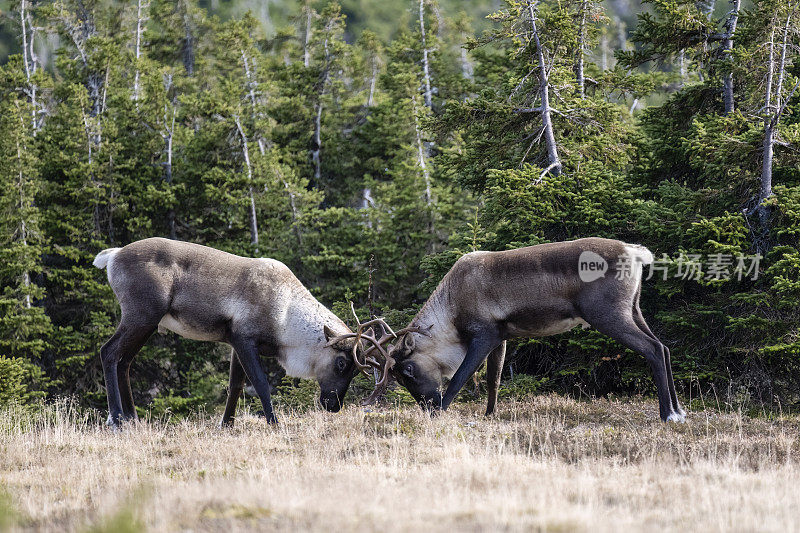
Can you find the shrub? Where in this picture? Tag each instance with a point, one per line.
(20, 381)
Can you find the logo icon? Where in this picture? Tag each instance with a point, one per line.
(591, 266)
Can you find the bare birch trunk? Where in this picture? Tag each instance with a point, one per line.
(467, 70)
(317, 148)
(188, 43)
(423, 165)
(766, 175)
(168, 176)
(138, 51)
(771, 123)
(771, 68)
(372, 81)
(26, 278)
(682, 67)
(544, 89)
(426, 69)
(581, 45)
(307, 39)
(727, 48)
(782, 66)
(604, 51)
(246, 154)
(29, 60)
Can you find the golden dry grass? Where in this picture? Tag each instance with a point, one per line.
(546, 463)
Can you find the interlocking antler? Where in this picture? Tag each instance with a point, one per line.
(364, 332)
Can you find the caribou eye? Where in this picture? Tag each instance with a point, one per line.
(341, 364)
(408, 370)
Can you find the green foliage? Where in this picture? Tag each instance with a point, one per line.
(298, 395)
(305, 133)
(520, 386)
(20, 381)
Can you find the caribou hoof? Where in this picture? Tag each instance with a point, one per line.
(678, 418)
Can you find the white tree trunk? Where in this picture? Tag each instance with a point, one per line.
(727, 48)
(604, 51)
(544, 89)
(315, 152)
(580, 78)
(30, 62)
(467, 70)
(246, 155)
(423, 165)
(169, 136)
(426, 69)
(770, 70)
(372, 81)
(782, 65)
(140, 4)
(23, 231)
(307, 39)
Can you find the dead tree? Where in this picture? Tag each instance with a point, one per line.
(167, 135)
(773, 112)
(31, 63)
(727, 48)
(423, 166)
(307, 36)
(544, 96)
(579, 76)
(140, 20)
(249, 168)
(426, 68)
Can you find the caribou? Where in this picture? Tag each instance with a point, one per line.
(488, 298)
(256, 305)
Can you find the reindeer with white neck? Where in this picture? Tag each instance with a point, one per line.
(489, 297)
(256, 305)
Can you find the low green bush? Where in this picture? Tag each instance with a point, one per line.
(20, 381)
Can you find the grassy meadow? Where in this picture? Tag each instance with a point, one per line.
(547, 463)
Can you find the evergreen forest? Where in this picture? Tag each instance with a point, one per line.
(368, 145)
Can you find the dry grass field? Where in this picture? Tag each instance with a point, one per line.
(548, 463)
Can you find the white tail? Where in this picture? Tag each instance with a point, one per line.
(641, 253)
(102, 259)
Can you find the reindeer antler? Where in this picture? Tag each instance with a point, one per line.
(363, 333)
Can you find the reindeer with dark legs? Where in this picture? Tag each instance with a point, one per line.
(489, 297)
(256, 305)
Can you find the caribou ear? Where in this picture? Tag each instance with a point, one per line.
(329, 334)
(408, 342)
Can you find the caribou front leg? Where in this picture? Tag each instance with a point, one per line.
(235, 387)
(494, 370)
(478, 350)
(247, 354)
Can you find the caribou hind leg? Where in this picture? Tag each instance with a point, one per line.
(640, 322)
(494, 370)
(125, 392)
(235, 388)
(122, 347)
(620, 325)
